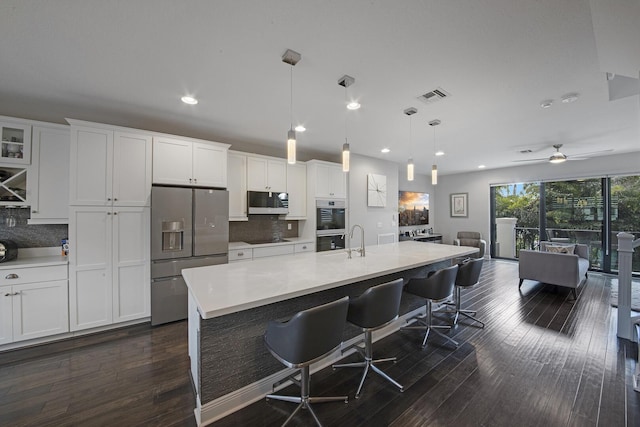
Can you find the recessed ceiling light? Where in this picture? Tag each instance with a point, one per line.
(439, 153)
(546, 103)
(353, 105)
(385, 150)
(189, 100)
(481, 166)
(300, 128)
(569, 98)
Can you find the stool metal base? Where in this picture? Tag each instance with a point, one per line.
(428, 326)
(369, 363)
(458, 311)
(305, 401)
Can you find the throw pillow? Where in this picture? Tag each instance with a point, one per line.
(561, 249)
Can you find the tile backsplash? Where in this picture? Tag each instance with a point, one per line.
(13, 226)
(261, 227)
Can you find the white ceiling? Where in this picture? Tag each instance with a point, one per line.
(129, 62)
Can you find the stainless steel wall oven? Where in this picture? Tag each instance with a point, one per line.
(331, 217)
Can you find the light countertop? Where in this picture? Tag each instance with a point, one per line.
(35, 257)
(289, 241)
(229, 288)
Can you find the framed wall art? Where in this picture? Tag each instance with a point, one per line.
(460, 205)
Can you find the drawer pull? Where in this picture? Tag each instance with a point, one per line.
(7, 294)
(304, 247)
(16, 293)
(240, 253)
(12, 276)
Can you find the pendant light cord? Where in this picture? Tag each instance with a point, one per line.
(291, 100)
(346, 97)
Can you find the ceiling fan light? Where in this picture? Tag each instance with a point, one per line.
(557, 158)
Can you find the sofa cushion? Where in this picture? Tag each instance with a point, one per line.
(560, 249)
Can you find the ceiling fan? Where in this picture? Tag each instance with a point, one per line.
(559, 157)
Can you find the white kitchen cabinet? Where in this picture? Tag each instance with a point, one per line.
(327, 180)
(48, 183)
(109, 265)
(180, 162)
(6, 315)
(36, 305)
(267, 251)
(15, 145)
(240, 255)
(304, 247)
(109, 167)
(237, 186)
(266, 174)
(297, 189)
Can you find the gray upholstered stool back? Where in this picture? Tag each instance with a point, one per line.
(309, 335)
(377, 306)
(469, 272)
(435, 287)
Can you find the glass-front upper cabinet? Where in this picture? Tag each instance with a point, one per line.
(16, 143)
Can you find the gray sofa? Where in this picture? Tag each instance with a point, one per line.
(555, 268)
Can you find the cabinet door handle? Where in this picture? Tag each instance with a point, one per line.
(115, 199)
(115, 213)
(195, 180)
(34, 211)
(190, 180)
(304, 247)
(12, 276)
(240, 253)
(108, 199)
(16, 293)
(108, 213)
(7, 294)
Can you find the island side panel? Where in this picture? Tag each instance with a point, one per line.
(232, 351)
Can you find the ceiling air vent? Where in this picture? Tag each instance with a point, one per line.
(434, 95)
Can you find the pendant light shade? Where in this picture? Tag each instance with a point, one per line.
(410, 112)
(292, 58)
(346, 81)
(434, 168)
(291, 147)
(410, 170)
(345, 157)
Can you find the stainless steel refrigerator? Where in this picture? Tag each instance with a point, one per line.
(189, 228)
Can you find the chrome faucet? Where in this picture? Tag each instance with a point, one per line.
(361, 248)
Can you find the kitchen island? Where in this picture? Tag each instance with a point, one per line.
(230, 305)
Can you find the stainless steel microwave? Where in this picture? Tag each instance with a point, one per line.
(267, 202)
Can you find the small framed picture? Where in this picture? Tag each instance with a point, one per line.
(459, 205)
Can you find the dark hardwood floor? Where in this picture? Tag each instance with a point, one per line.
(542, 360)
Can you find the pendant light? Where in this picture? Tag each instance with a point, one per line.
(434, 167)
(292, 58)
(410, 167)
(346, 81)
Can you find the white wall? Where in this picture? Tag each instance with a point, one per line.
(477, 184)
(375, 220)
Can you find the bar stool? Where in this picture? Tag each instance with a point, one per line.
(468, 276)
(306, 338)
(437, 286)
(375, 308)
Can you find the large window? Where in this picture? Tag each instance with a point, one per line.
(588, 211)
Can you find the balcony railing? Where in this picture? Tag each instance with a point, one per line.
(529, 238)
